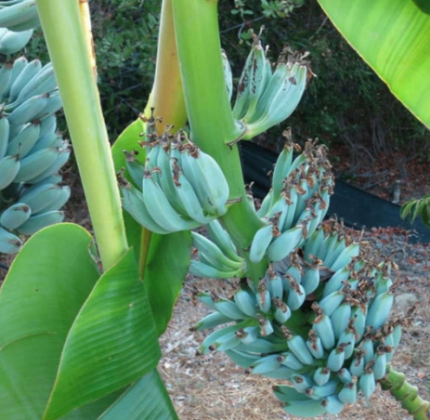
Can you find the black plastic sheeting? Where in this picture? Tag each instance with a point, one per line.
(356, 207)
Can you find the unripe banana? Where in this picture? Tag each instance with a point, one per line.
(9, 168)
(35, 164)
(9, 243)
(220, 236)
(60, 161)
(24, 141)
(18, 14)
(35, 223)
(135, 206)
(4, 136)
(379, 310)
(260, 243)
(15, 216)
(28, 109)
(12, 42)
(27, 74)
(5, 77)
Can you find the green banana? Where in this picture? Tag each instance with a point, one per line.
(340, 318)
(42, 82)
(27, 74)
(53, 104)
(48, 125)
(379, 310)
(40, 197)
(211, 321)
(134, 205)
(12, 42)
(189, 201)
(210, 249)
(336, 358)
(348, 394)
(260, 243)
(40, 221)
(208, 181)
(9, 243)
(5, 77)
(15, 216)
(9, 168)
(367, 383)
(267, 364)
(220, 237)
(229, 309)
(28, 109)
(285, 244)
(60, 161)
(321, 376)
(246, 303)
(200, 269)
(24, 141)
(257, 78)
(332, 404)
(18, 14)
(35, 164)
(4, 135)
(160, 209)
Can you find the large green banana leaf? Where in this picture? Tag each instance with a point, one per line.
(55, 309)
(393, 37)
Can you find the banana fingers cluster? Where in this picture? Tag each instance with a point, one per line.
(320, 321)
(218, 257)
(179, 188)
(296, 204)
(31, 152)
(265, 97)
(18, 18)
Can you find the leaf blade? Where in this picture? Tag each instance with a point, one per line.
(156, 403)
(164, 281)
(393, 37)
(54, 267)
(111, 344)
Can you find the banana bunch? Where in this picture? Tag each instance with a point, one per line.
(18, 18)
(31, 152)
(297, 202)
(217, 257)
(319, 319)
(265, 97)
(179, 187)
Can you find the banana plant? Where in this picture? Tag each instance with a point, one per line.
(80, 317)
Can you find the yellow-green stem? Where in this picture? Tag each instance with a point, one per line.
(67, 42)
(406, 394)
(209, 111)
(167, 96)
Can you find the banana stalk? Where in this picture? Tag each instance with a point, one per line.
(74, 74)
(406, 394)
(210, 116)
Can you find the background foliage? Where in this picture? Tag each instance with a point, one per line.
(347, 103)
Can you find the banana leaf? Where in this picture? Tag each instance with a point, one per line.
(393, 37)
